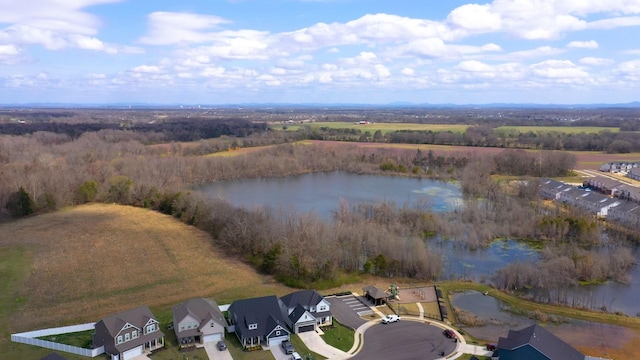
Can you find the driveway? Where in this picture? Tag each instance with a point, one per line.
(347, 310)
(278, 353)
(405, 340)
(214, 354)
(315, 343)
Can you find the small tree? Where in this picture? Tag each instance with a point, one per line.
(87, 192)
(20, 203)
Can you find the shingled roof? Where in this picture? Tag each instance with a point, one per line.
(542, 340)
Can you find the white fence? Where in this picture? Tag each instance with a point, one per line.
(30, 339)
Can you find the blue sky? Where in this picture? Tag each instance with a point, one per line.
(319, 51)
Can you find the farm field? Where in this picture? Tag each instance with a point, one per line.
(557, 129)
(80, 264)
(373, 127)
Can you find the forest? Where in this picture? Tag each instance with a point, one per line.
(133, 165)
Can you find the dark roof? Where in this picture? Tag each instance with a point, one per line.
(199, 308)
(542, 340)
(375, 293)
(264, 311)
(297, 313)
(137, 317)
(54, 356)
(306, 298)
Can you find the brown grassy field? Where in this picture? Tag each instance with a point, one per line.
(80, 264)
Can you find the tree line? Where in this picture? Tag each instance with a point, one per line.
(45, 171)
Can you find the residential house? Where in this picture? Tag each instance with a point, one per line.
(627, 213)
(603, 184)
(628, 192)
(129, 334)
(258, 321)
(198, 321)
(534, 343)
(306, 310)
(551, 189)
(572, 196)
(596, 204)
(634, 173)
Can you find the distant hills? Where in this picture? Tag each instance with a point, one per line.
(635, 104)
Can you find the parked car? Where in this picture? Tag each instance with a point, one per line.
(491, 347)
(221, 345)
(449, 333)
(287, 346)
(390, 319)
(296, 356)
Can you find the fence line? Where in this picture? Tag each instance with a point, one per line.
(30, 338)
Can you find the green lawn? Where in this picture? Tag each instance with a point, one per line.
(235, 348)
(82, 339)
(302, 349)
(560, 129)
(339, 336)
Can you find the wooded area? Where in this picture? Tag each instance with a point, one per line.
(44, 171)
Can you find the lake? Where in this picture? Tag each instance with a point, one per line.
(321, 193)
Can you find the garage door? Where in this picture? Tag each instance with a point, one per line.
(212, 337)
(132, 353)
(277, 340)
(306, 328)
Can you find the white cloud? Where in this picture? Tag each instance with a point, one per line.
(616, 22)
(558, 69)
(595, 61)
(169, 28)
(629, 70)
(591, 44)
(408, 71)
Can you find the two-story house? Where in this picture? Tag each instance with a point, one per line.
(129, 334)
(198, 321)
(306, 310)
(258, 321)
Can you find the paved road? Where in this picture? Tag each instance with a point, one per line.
(405, 340)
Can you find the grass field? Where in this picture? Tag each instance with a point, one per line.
(558, 129)
(80, 264)
(339, 336)
(373, 127)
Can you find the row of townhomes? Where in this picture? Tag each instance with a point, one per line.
(257, 322)
(619, 167)
(611, 200)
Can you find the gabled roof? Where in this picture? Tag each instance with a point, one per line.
(542, 340)
(306, 298)
(375, 293)
(264, 311)
(297, 313)
(137, 317)
(200, 309)
(626, 206)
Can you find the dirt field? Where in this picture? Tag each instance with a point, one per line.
(94, 260)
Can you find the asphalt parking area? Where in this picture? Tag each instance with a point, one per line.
(405, 340)
(348, 309)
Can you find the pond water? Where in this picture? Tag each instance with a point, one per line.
(498, 322)
(321, 193)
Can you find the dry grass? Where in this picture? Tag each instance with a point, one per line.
(94, 260)
(373, 127)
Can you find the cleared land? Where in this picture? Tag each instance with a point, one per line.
(556, 129)
(84, 263)
(373, 127)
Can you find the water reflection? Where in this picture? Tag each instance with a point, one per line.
(497, 323)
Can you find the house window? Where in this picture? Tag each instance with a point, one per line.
(134, 334)
(253, 326)
(277, 332)
(127, 337)
(212, 324)
(151, 328)
(181, 327)
(119, 341)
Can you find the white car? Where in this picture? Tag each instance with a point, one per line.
(390, 319)
(296, 356)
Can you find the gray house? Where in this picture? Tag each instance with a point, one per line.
(534, 343)
(198, 321)
(129, 334)
(306, 310)
(259, 321)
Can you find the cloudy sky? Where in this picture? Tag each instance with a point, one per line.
(319, 51)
